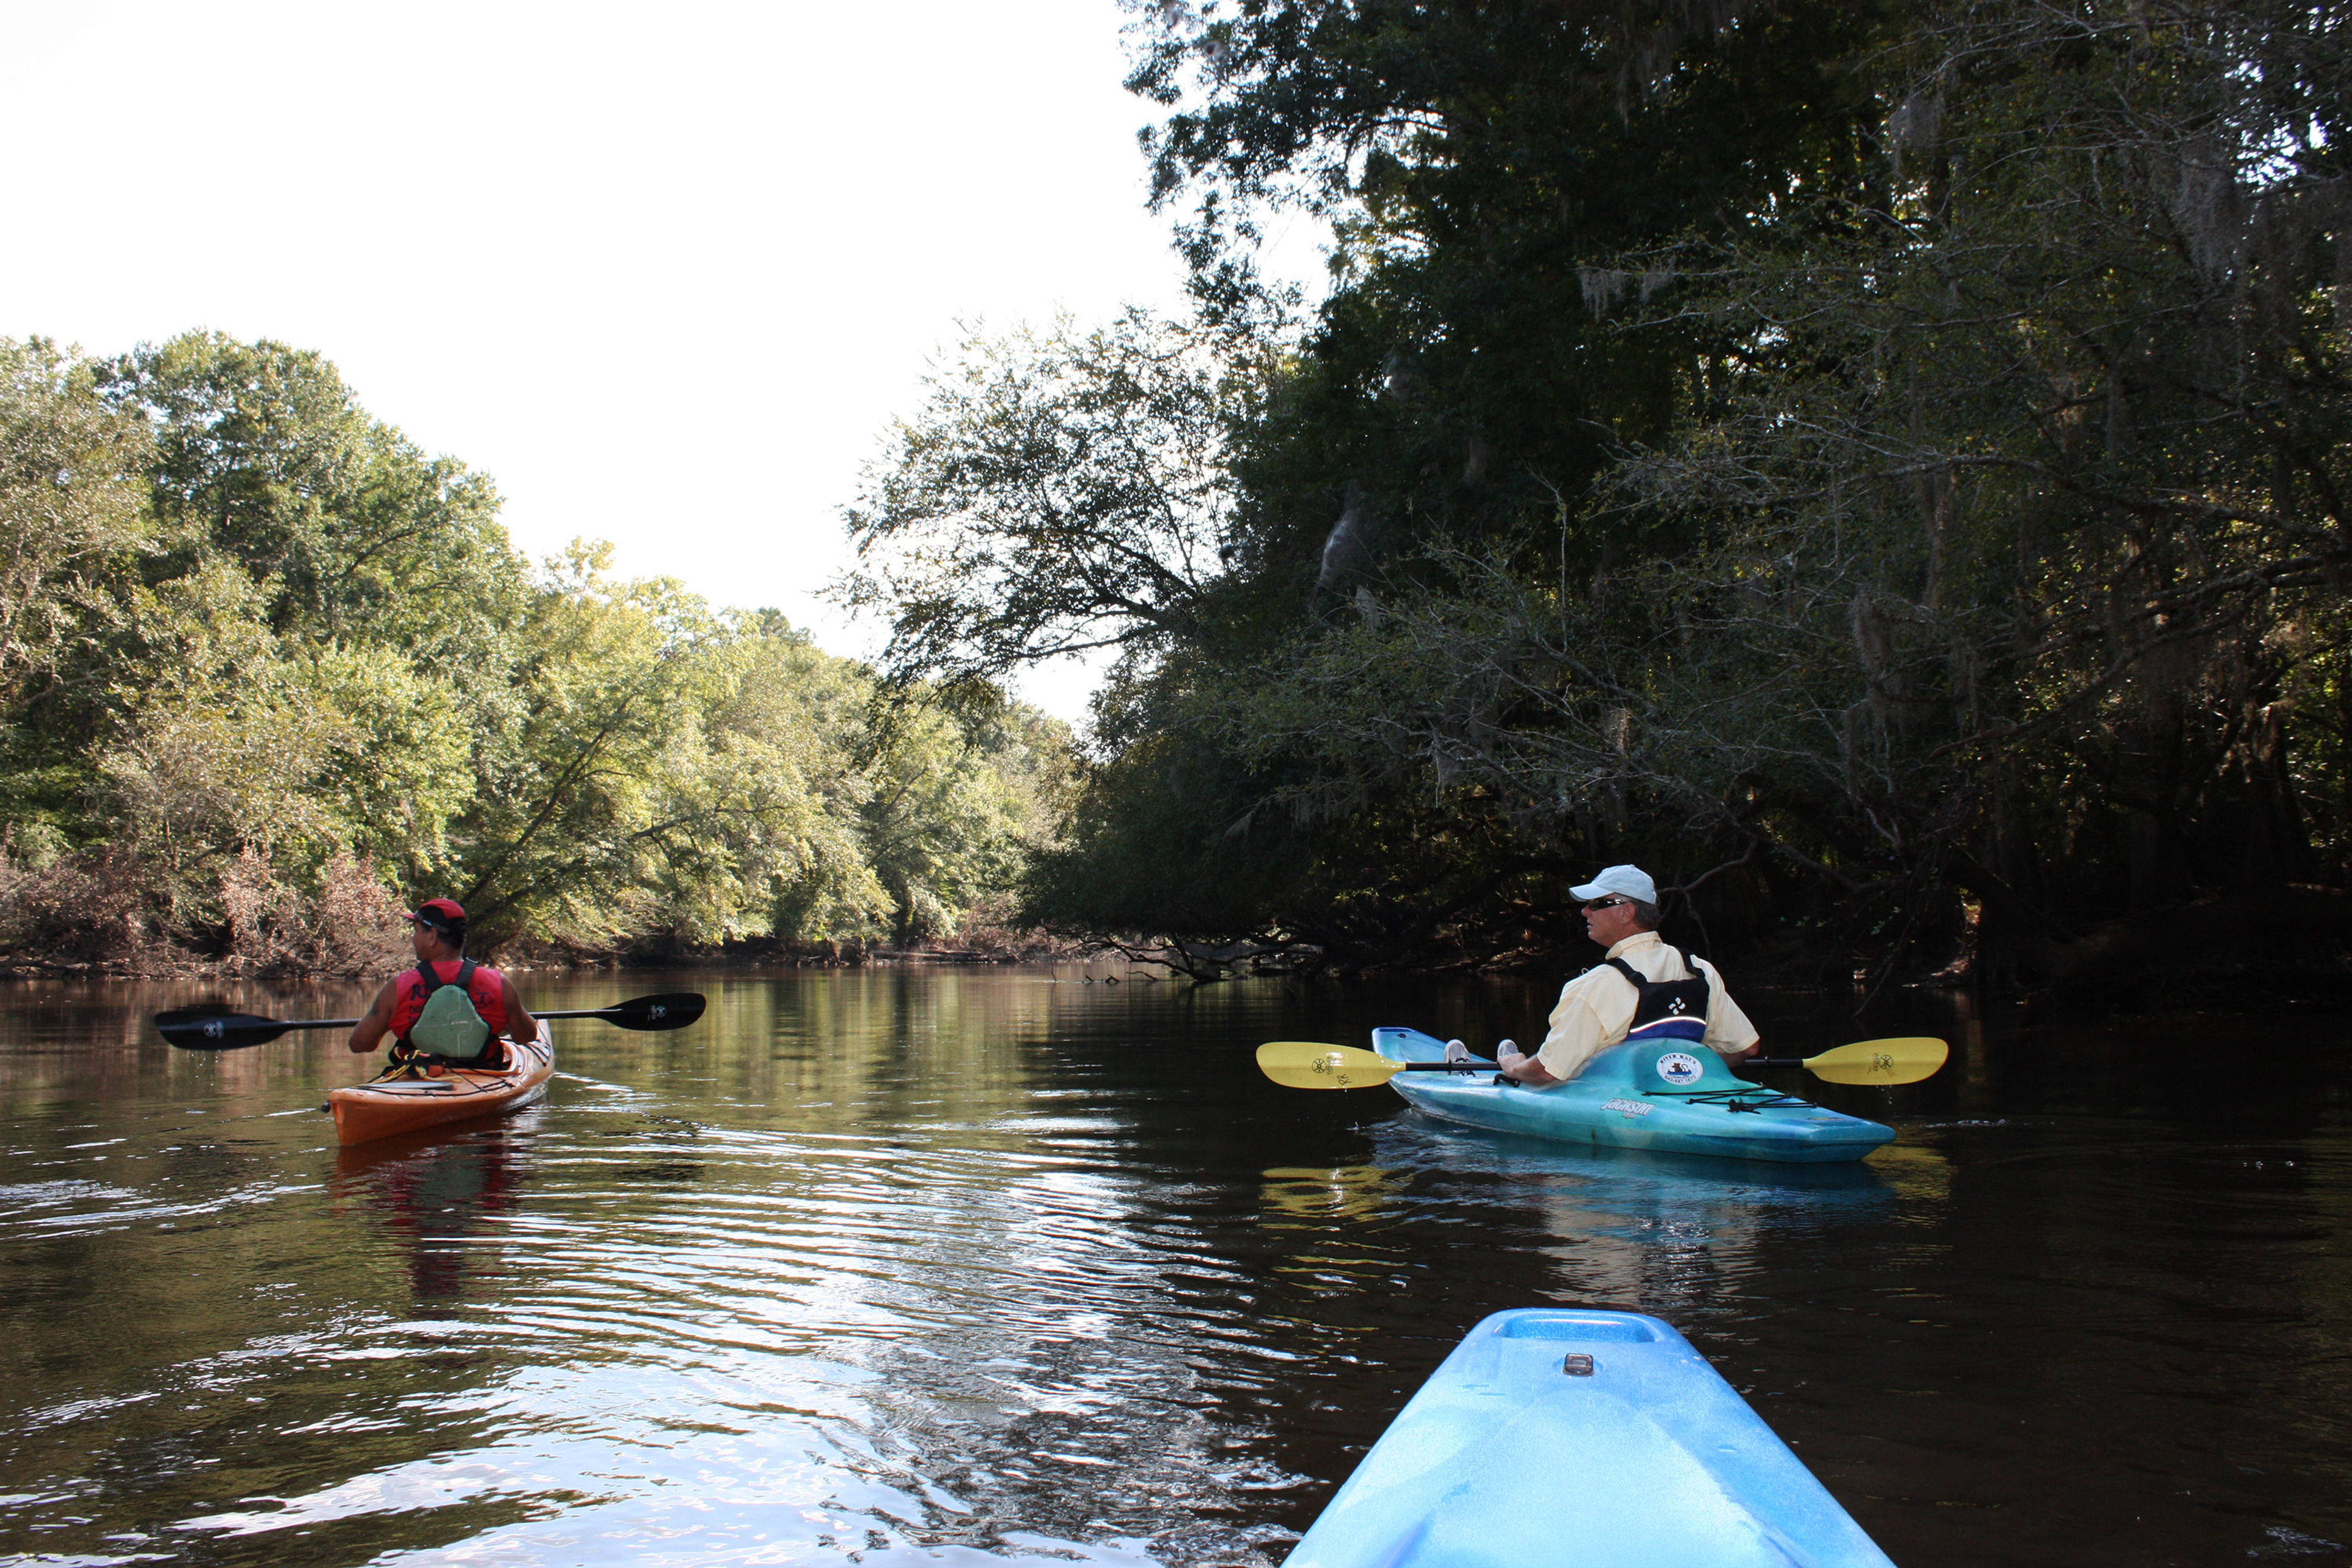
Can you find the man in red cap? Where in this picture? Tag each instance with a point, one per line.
(463, 1027)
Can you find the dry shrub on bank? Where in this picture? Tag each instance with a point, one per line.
(85, 908)
(109, 908)
(350, 926)
(987, 932)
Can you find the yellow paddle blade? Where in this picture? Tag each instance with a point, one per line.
(1301, 1064)
(1904, 1060)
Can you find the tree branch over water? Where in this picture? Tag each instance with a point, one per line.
(1840, 447)
(1057, 493)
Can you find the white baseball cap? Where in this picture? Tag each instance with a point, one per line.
(1630, 880)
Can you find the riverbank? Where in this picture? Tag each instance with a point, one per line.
(164, 962)
(2190, 954)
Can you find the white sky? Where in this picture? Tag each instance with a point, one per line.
(664, 273)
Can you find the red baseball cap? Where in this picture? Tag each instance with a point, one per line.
(438, 913)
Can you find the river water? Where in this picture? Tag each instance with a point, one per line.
(1009, 1265)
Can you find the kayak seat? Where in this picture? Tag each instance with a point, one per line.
(1616, 1329)
(402, 1062)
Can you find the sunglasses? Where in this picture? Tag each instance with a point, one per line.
(1608, 904)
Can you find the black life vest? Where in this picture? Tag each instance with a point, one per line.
(1669, 1009)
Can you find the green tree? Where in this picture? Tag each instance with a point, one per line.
(1479, 164)
(70, 527)
(1059, 493)
(1879, 463)
(264, 661)
(72, 537)
(263, 456)
(942, 827)
(782, 794)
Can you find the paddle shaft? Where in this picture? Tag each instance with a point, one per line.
(1490, 1067)
(1307, 1064)
(204, 1029)
(354, 1023)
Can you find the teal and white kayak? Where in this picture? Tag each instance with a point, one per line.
(1672, 1095)
(1562, 1438)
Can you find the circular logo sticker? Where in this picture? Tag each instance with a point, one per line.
(1679, 1067)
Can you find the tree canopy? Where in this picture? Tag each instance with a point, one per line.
(266, 669)
(1881, 467)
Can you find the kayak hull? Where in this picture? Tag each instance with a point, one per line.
(1674, 1096)
(367, 1111)
(1645, 1458)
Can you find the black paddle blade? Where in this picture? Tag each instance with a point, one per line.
(670, 1010)
(214, 1029)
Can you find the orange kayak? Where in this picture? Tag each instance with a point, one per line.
(366, 1112)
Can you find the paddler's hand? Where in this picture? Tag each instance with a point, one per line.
(1521, 1068)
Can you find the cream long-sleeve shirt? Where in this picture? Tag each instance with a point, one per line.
(1596, 1008)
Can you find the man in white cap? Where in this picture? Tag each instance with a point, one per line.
(1643, 984)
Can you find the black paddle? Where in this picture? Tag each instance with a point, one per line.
(214, 1028)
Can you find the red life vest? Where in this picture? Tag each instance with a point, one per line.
(486, 988)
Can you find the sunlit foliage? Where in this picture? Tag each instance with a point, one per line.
(258, 655)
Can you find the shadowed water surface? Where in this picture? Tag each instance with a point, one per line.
(1005, 1266)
